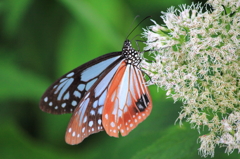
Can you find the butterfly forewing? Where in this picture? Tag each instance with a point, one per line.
(128, 102)
(64, 95)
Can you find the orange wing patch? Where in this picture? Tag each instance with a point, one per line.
(128, 101)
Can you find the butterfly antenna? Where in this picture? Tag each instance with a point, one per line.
(132, 23)
(137, 25)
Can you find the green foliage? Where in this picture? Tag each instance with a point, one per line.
(171, 139)
(40, 41)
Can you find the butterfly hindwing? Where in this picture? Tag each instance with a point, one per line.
(128, 102)
(86, 120)
(64, 95)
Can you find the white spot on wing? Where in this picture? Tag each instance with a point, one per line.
(69, 130)
(99, 121)
(83, 129)
(90, 123)
(66, 96)
(45, 99)
(63, 79)
(77, 94)
(74, 103)
(92, 112)
(140, 107)
(50, 104)
(70, 74)
(112, 124)
(63, 105)
(85, 119)
(106, 116)
(81, 87)
(73, 134)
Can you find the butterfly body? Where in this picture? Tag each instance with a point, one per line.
(107, 93)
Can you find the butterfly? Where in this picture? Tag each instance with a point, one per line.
(108, 93)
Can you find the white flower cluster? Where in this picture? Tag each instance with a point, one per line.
(197, 61)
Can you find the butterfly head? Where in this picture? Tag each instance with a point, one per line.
(130, 54)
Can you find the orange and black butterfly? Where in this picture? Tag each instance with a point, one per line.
(107, 93)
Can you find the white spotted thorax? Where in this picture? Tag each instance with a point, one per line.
(130, 54)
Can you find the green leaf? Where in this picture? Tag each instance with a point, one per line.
(18, 144)
(15, 11)
(175, 143)
(17, 83)
(84, 12)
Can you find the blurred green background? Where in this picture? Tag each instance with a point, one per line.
(40, 40)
